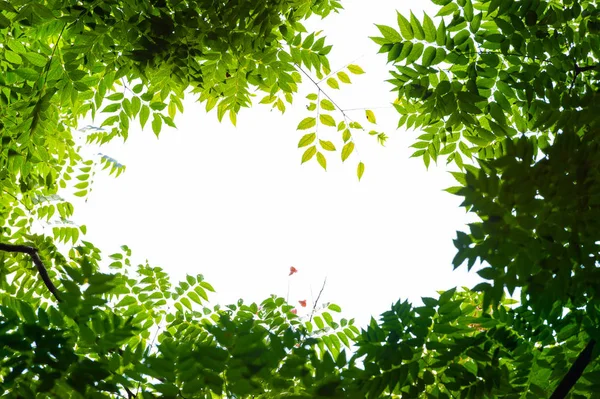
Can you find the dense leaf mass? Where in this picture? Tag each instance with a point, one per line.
(506, 90)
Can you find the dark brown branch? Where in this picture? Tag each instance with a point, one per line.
(312, 313)
(574, 372)
(579, 69)
(130, 395)
(37, 261)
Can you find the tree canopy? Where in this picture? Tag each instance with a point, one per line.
(505, 91)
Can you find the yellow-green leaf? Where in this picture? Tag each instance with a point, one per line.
(156, 124)
(327, 145)
(360, 170)
(346, 135)
(327, 120)
(36, 59)
(405, 28)
(371, 116)
(309, 153)
(144, 114)
(417, 28)
(16, 46)
(390, 34)
(13, 57)
(355, 69)
(268, 99)
(333, 83)
(307, 123)
(428, 56)
(347, 150)
(306, 139)
(343, 77)
(428, 28)
(327, 105)
(173, 109)
(322, 161)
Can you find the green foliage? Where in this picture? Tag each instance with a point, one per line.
(322, 105)
(488, 71)
(507, 90)
(133, 330)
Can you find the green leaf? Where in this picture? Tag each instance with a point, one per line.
(28, 74)
(346, 135)
(347, 150)
(359, 172)
(307, 139)
(322, 161)
(327, 145)
(115, 97)
(333, 83)
(343, 77)
(415, 53)
(126, 301)
(319, 322)
(416, 27)
(309, 153)
(371, 116)
(440, 36)
(405, 28)
(36, 59)
(308, 41)
(112, 108)
(334, 307)
(327, 120)
(476, 22)
(447, 9)
(406, 50)
(327, 105)
(144, 114)
(468, 10)
(428, 28)
(389, 33)
(16, 46)
(307, 123)
(428, 56)
(13, 57)
(156, 124)
(355, 69)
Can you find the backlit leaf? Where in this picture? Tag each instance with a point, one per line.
(347, 150)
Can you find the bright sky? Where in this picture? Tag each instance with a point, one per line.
(236, 205)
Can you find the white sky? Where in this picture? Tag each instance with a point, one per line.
(236, 205)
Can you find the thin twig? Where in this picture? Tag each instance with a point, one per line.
(130, 395)
(320, 90)
(367, 108)
(334, 72)
(314, 309)
(52, 55)
(16, 199)
(151, 345)
(33, 253)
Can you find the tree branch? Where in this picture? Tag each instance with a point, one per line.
(130, 395)
(579, 69)
(312, 313)
(37, 261)
(569, 380)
